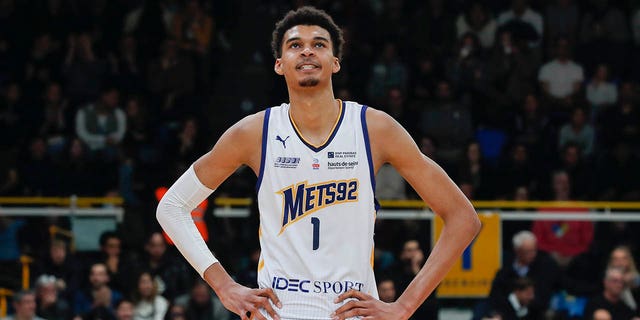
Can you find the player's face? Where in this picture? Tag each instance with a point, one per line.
(307, 57)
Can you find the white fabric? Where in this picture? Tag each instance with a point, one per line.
(317, 215)
(155, 310)
(529, 16)
(561, 77)
(486, 36)
(602, 94)
(174, 215)
(521, 311)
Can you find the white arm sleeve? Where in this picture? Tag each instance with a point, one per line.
(174, 215)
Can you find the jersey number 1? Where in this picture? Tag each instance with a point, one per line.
(316, 232)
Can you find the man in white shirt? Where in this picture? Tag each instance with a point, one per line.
(561, 78)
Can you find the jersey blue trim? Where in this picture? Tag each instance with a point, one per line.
(367, 144)
(333, 134)
(265, 138)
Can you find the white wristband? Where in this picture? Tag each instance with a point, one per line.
(174, 215)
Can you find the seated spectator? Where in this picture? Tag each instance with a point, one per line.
(171, 274)
(36, 170)
(118, 264)
(176, 312)
(474, 171)
(102, 125)
(579, 132)
(621, 123)
(563, 239)
(124, 310)
(390, 185)
(561, 19)
(387, 290)
(202, 304)
(14, 126)
(99, 296)
(610, 298)
(82, 71)
(580, 173)
(57, 119)
(411, 259)
(449, 122)
(148, 303)
(58, 262)
(24, 305)
(50, 305)
(622, 259)
(520, 11)
(530, 126)
(618, 174)
(601, 92)
(527, 262)
(601, 314)
(477, 20)
(388, 72)
(516, 306)
(561, 80)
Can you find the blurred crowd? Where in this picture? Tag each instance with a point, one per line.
(515, 99)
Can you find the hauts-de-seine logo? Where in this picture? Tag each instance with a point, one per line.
(316, 164)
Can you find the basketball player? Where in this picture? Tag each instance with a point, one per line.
(316, 159)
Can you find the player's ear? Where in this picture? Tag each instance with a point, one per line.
(277, 67)
(336, 65)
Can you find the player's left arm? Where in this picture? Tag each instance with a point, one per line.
(390, 143)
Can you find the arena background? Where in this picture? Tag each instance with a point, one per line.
(525, 104)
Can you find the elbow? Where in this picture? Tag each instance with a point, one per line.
(475, 223)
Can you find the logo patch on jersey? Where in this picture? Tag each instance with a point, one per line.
(341, 164)
(315, 286)
(341, 154)
(303, 199)
(287, 162)
(284, 141)
(316, 164)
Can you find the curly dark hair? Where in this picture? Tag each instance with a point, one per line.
(307, 16)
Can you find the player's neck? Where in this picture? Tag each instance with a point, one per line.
(314, 114)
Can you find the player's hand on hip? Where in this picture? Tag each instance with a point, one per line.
(246, 302)
(366, 307)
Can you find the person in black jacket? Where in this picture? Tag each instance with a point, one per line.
(516, 305)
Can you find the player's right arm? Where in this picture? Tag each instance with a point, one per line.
(239, 145)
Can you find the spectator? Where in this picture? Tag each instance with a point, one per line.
(511, 70)
(82, 71)
(527, 262)
(50, 305)
(516, 306)
(170, 273)
(202, 304)
(465, 68)
(449, 122)
(579, 170)
(563, 240)
(171, 78)
(618, 176)
(561, 80)
(411, 259)
(604, 34)
(42, 65)
(187, 146)
(149, 304)
(57, 122)
(98, 296)
(601, 93)
(521, 12)
(518, 171)
(579, 132)
(124, 310)
(530, 126)
(37, 170)
(561, 19)
(621, 258)
(79, 172)
(387, 290)
(388, 72)
(118, 264)
(13, 129)
(193, 28)
(176, 312)
(125, 66)
(102, 125)
(476, 172)
(621, 124)
(24, 304)
(477, 20)
(58, 262)
(610, 298)
(601, 314)
(389, 184)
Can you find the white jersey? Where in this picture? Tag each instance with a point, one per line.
(317, 213)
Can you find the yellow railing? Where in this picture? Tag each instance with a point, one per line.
(418, 204)
(4, 293)
(62, 201)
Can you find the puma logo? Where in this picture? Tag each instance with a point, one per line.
(284, 141)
